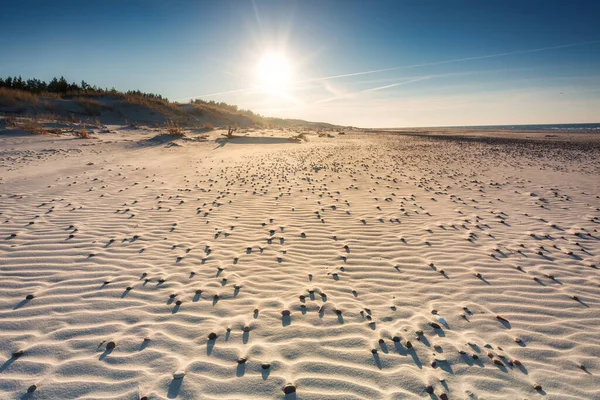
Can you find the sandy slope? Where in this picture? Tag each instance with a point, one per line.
(440, 233)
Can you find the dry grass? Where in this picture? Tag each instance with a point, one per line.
(209, 127)
(10, 121)
(50, 107)
(12, 97)
(158, 105)
(48, 117)
(82, 134)
(174, 129)
(33, 126)
(92, 107)
(299, 138)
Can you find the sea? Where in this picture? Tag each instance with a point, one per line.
(587, 128)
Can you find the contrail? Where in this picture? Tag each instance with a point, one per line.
(424, 78)
(377, 71)
(327, 100)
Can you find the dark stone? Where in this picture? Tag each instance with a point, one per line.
(289, 389)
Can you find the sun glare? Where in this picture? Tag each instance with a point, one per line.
(274, 73)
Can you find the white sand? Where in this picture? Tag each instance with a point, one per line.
(273, 214)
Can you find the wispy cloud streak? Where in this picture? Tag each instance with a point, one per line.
(377, 71)
(423, 78)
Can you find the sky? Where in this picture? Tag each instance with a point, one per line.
(377, 63)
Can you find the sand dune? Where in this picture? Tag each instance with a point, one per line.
(363, 266)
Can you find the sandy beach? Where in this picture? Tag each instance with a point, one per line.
(369, 265)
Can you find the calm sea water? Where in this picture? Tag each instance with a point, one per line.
(595, 127)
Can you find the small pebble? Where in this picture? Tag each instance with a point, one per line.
(179, 375)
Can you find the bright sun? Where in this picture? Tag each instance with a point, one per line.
(274, 73)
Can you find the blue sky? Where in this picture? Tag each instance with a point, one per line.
(448, 62)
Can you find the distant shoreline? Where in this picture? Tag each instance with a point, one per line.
(591, 127)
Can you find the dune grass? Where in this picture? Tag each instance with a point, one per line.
(33, 126)
(12, 98)
(174, 129)
(92, 107)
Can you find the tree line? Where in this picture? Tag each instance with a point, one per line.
(62, 86)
